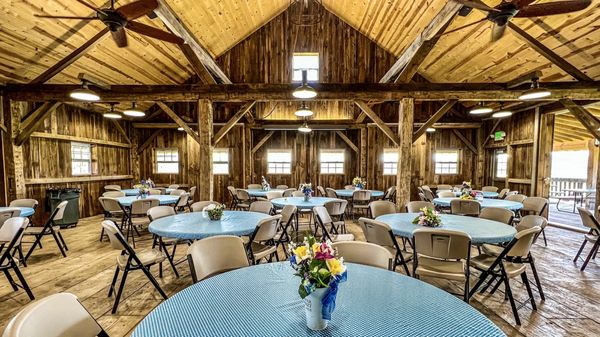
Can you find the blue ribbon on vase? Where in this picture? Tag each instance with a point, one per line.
(328, 300)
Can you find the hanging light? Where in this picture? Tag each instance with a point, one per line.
(112, 114)
(305, 90)
(535, 92)
(430, 130)
(304, 111)
(134, 112)
(480, 109)
(305, 12)
(180, 129)
(304, 128)
(84, 93)
(502, 113)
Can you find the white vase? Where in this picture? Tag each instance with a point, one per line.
(314, 310)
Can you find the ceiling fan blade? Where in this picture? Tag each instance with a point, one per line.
(137, 9)
(154, 32)
(498, 31)
(477, 5)
(553, 8)
(91, 7)
(120, 37)
(66, 17)
(522, 3)
(459, 28)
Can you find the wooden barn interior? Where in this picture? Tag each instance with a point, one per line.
(214, 83)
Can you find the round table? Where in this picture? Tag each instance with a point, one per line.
(480, 230)
(511, 205)
(25, 211)
(257, 192)
(486, 194)
(195, 226)
(132, 192)
(300, 203)
(348, 193)
(263, 300)
(163, 199)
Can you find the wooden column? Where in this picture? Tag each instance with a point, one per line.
(134, 156)
(205, 133)
(249, 160)
(545, 155)
(363, 151)
(15, 174)
(480, 169)
(535, 154)
(405, 134)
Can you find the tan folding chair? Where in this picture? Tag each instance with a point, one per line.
(233, 195)
(286, 224)
(331, 193)
(465, 207)
(199, 206)
(182, 203)
(177, 192)
(192, 194)
(254, 186)
(216, 255)
(282, 187)
(31, 203)
(10, 238)
(321, 190)
(156, 213)
(381, 234)
(535, 206)
(446, 194)
(288, 192)
(297, 194)
(8, 213)
(137, 216)
(243, 199)
(113, 194)
(364, 253)
(274, 195)
(503, 193)
(50, 228)
(360, 202)
(260, 206)
(516, 197)
(262, 243)
(155, 191)
(381, 207)
(337, 211)
(497, 214)
(173, 186)
(112, 211)
(589, 220)
(323, 219)
(390, 194)
(489, 189)
(112, 188)
(416, 206)
(429, 196)
(443, 187)
(349, 187)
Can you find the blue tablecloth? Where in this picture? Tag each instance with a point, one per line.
(512, 205)
(263, 300)
(300, 203)
(480, 230)
(164, 199)
(348, 193)
(133, 192)
(25, 211)
(485, 194)
(256, 192)
(195, 226)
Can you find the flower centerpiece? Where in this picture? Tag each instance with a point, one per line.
(307, 190)
(144, 187)
(359, 182)
(320, 272)
(214, 212)
(468, 195)
(428, 217)
(466, 186)
(265, 184)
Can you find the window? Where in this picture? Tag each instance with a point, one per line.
(221, 161)
(305, 61)
(332, 161)
(501, 164)
(167, 161)
(390, 162)
(446, 162)
(81, 159)
(279, 162)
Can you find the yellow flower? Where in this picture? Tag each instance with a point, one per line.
(335, 266)
(301, 253)
(316, 247)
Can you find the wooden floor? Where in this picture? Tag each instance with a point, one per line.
(571, 306)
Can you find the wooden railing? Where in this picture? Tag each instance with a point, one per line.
(559, 185)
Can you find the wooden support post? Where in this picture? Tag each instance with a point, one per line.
(535, 154)
(262, 141)
(380, 123)
(363, 151)
(205, 132)
(545, 154)
(35, 119)
(249, 159)
(347, 141)
(134, 156)
(180, 121)
(231, 123)
(17, 189)
(433, 119)
(121, 131)
(405, 134)
(480, 168)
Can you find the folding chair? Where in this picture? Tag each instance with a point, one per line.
(10, 237)
(49, 229)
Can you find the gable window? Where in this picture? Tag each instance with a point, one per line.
(221, 161)
(279, 162)
(390, 162)
(501, 164)
(332, 161)
(308, 62)
(81, 159)
(167, 161)
(446, 162)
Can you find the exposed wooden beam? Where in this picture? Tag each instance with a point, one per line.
(380, 123)
(361, 117)
(35, 119)
(79, 139)
(452, 125)
(262, 141)
(160, 125)
(149, 141)
(179, 121)
(524, 79)
(404, 172)
(231, 123)
(487, 137)
(416, 52)
(197, 65)
(71, 58)
(465, 141)
(283, 92)
(174, 23)
(549, 54)
(121, 131)
(433, 119)
(205, 160)
(585, 117)
(347, 141)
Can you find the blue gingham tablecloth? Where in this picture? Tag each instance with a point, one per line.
(511, 205)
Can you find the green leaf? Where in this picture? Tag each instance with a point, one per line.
(302, 291)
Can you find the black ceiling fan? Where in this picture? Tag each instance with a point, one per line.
(119, 20)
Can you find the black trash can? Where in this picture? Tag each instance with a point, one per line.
(55, 196)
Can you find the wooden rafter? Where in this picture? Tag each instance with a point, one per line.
(347, 141)
(465, 141)
(262, 141)
(197, 65)
(433, 119)
(121, 131)
(149, 141)
(179, 121)
(380, 123)
(591, 123)
(245, 109)
(487, 137)
(35, 119)
(408, 63)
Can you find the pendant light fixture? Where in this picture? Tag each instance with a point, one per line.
(134, 112)
(84, 93)
(305, 90)
(535, 92)
(304, 128)
(112, 114)
(180, 129)
(304, 111)
(430, 130)
(480, 109)
(501, 113)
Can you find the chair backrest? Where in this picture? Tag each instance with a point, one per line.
(415, 206)
(110, 204)
(57, 315)
(361, 195)
(112, 188)
(173, 186)
(422, 196)
(536, 205)
(199, 206)
(288, 192)
(330, 192)
(389, 193)
(266, 228)
(322, 215)
(530, 221)
(588, 219)
(141, 206)
(287, 213)
(282, 187)
(216, 255)
(232, 191)
(261, 206)
(365, 253)
(254, 186)
(502, 194)
(497, 214)
(177, 192)
(516, 197)
(242, 194)
(113, 194)
(192, 192)
(443, 187)
(336, 207)
(382, 207)
(465, 207)
(31, 203)
(429, 195)
(321, 191)
(489, 189)
(183, 200)
(522, 242)
(117, 241)
(426, 188)
(377, 232)
(160, 212)
(59, 212)
(12, 231)
(9, 213)
(274, 195)
(442, 243)
(155, 191)
(349, 187)
(445, 194)
(297, 194)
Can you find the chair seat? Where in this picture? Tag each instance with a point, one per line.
(140, 221)
(261, 251)
(361, 206)
(591, 238)
(484, 262)
(342, 237)
(243, 205)
(446, 269)
(492, 250)
(147, 257)
(406, 255)
(39, 230)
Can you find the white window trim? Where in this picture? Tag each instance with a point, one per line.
(226, 150)
(496, 176)
(343, 151)
(385, 162)
(279, 162)
(88, 161)
(458, 157)
(156, 159)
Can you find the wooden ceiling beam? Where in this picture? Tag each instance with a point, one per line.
(465, 141)
(585, 117)
(149, 141)
(433, 119)
(549, 54)
(347, 141)
(380, 123)
(35, 119)
(527, 78)
(197, 65)
(179, 121)
(262, 141)
(232, 122)
(408, 63)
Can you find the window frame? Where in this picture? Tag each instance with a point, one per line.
(221, 150)
(497, 153)
(282, 163)
(80, 160)
(457, 163)
(394, 164)
(318, 68)
(343, 162)
(156, 161)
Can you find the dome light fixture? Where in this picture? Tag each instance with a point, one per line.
(304, 91)
(304, 128)
(480, 109)
(535, 92)
(304, 111)
(112, 114)
(180, 128)
(84, 93)
(502, 113)
(133, 111)
(430, 130)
